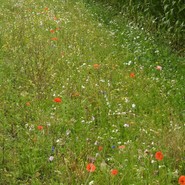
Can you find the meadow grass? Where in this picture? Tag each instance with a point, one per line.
(81, 85)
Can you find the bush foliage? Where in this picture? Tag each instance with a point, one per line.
(164, 15)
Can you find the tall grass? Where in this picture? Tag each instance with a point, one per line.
(163, 16)
(77, 89)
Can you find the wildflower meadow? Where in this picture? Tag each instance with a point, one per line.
(87, 98)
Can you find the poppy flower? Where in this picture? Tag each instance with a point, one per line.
(100, 148)
(57, 100)
(46, 9)
(122, 147)
(114, 172)
(40, 127)
(96, 66)
(182, 180)
(159, 68)
(54, 38)
(27, 103)
(159, 156)
(91, 167)
(52, 31)
(132, 75)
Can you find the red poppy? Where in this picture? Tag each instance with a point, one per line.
(122, 147)
(159, 68)
(159, 156)
(40, 127)
(132, 75)
(28, 103)
(100, 148)
(114, 171)
(57, 100)
(96, 66)
(91, 167)
(46, 9)
(54, 38)
(182, 180)
(52, 31)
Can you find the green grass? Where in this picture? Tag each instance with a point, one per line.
(49, 49)
(163, 17)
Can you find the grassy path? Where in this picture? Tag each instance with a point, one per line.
(87, 98)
